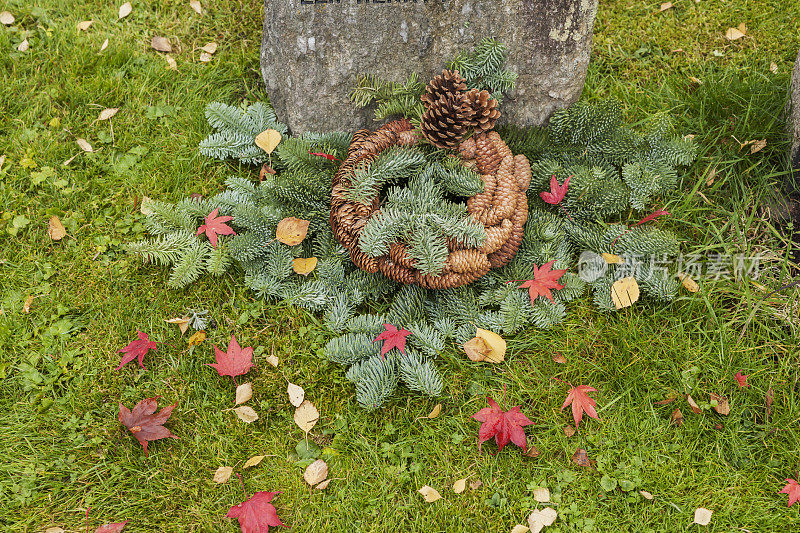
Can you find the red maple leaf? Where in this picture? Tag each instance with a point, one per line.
(792, 488)
(216, 226)
(111, 528)
(393, 338)
(543, 280)
(136, 349)
(235, 362)
(145, 425)
(504, 426)
(557, 192)
(741, 380)
(581, 402)
(256, 514)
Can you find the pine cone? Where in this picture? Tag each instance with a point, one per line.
(483, 107)
(443, 124)
(446, 84)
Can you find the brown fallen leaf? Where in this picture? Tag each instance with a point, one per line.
(55, 229)
(125, 10)
(669, 399)
(161, 44)
(272, 359)
(722, 407)
(688, 283)
(559, 358)
(198, 8)
(758, 145)
(24, 46)
(693, 405)
(296, 394)
(316, 472)
(710, 178)
(437, 410)
(85, 25)
(243, 393)
(569, 431)
(291, 231)
(733, 34)
(475, 485)
(429, 494)
(253, 461)
(84, 144)
(268, 139)
(581, 458)
(486, 346)
(323, 485)
(624, 292)
(533, 451)
(26, 307)
(646, 495)
(306, 416)
(223, 474)
(246, 414)
(304, 265)
(182, 323)
(196, 339)
(677, 417)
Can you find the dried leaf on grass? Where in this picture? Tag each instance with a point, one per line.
(161, 44)
(268, 139)
(316, 472)
(182, 323)
(296, 394)
(55, 229)
(6, 18)
(246, 414)
(688, 283)
(624, 292)
(733, 34)
(541, 495)
(84, 144)
(253, 461)
(198, 8)
(702, 516)
(107, 113)
(437, 410)
(243, 393)
(722, 407)
(24, 46)
(693, 405)
(104, 45)
(306, 416)
(429, 494)
(125, 10)
(486, 346)
(677, 417)
(539, 519)
(581, 458)
(223, 474)
(85, 25)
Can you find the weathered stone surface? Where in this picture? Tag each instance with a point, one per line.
(794, 114)
(312, 51)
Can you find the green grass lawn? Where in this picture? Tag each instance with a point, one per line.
(65, 451)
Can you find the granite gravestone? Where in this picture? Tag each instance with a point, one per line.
(312, 52)
(794, 115)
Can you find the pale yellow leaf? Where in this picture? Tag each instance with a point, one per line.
(624, 292)
(198, 8)
(702, 516)
(429, 493)
(493, 347)
(246, 414)
(306, 416)
(296, 394)
(323, 485)
(55, 229)
(437, 410)
(291, 230)
(541, 495)
(688, 283)
(26, 307)
(773, 67)
(273, 359)
(316, 472)
(223, 474)
(6, 18)
(125, 10)
(161, 44)
(519, 528)
(267, 140)
(733, 34)
(205, 57)
(85, 25)
(243, 393)
(84, 145)
(757, 146)
(104, 45)
(460, 485)
(210, 48)
(646, 495)
(182, 323)
(146, 207)
(107, 113)
(612, 259)
(55, 529)
(539, 519)
(171, 63)
(304, 265)
(665, 6)
(24, 46)
(253, 461)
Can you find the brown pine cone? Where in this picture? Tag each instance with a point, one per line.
(496, 236)
(392, 270)
(443, 124)
(467, 148)
(472, 260)
(399, 254)
(484, 109)
(448, 83)
(486, 154)
(522, 172)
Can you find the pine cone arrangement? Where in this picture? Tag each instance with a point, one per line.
(451, 111)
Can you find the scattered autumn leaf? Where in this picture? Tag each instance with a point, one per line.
(268, 139)
(171, 63)
(693, 405)
(137, 349)
(695, 81)
(223, 474)
(215, 225)
(144, 424)
(104, 45)
(773, 67)
(296, 394)
(569, 431)
(316, 472)
(243, 393)
(55, 529)
(612, 259)
(769, 397)
(182, 323)
(533, 451)
(460, 485)
(24, 46)
(6, 18)
(624, 292)
(323, 485)
(722, 407)
(306, 416)
(581, 402)
(486, 346)
(26, 306)
(475, 485)
(116, 527)
(581, 458)
(541, 495)
(84, 145)
(85, 25)
(646, 495)
(304, 265)
(236, 361)
(55, 229)
(557, 192)
(198, 8)
(256, 514)
(246, 414)
(539, 519)
(196, 339)
(291, 231)
(702, 516)
(519, 528)
(392, 338)
(125, 10)
(504, 426)
(437, 410)
(741, 380)
(429, 494)
(677, 417)
(209, 48)
(665, 6)
(792, 488)
(107, 113)
(558, 357)
(688, 283)
(272, 359)
(205, 57)
(758, 145)
(732, 34)
(253, 461)
(543, 280)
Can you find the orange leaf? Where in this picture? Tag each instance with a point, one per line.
(292, 231)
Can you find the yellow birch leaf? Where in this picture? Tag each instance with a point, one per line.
(161, 44)
(430, 494)
(198, 8)
(246, 414)
(55, 229)
(84, 145)
(519, 528)
(316, 472)
(437, 410)
(197, 338)
(665, 6)
(182, 323)
(496, 344)
(267, 140)
(306, 416)
(460, 485)
(6, 18)
(125, 10)
(612, 259)
(253, 461)
(243, 393)
(107, 113)
(104, 45)
(24, 46)
(304, 265)
(688, 283)
(205, 57)
(273, 359)
(210, 48)
(292, 230)
(223, 474)
(171, 63)
(732, 34)
(85, 25)
(702, 516)
(624, 292)
(296, 394)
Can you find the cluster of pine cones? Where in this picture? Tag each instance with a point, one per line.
(451, 111)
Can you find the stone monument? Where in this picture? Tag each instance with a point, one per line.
(794, 115)
(312, 52)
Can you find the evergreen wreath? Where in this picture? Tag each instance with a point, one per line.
(612, 170)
